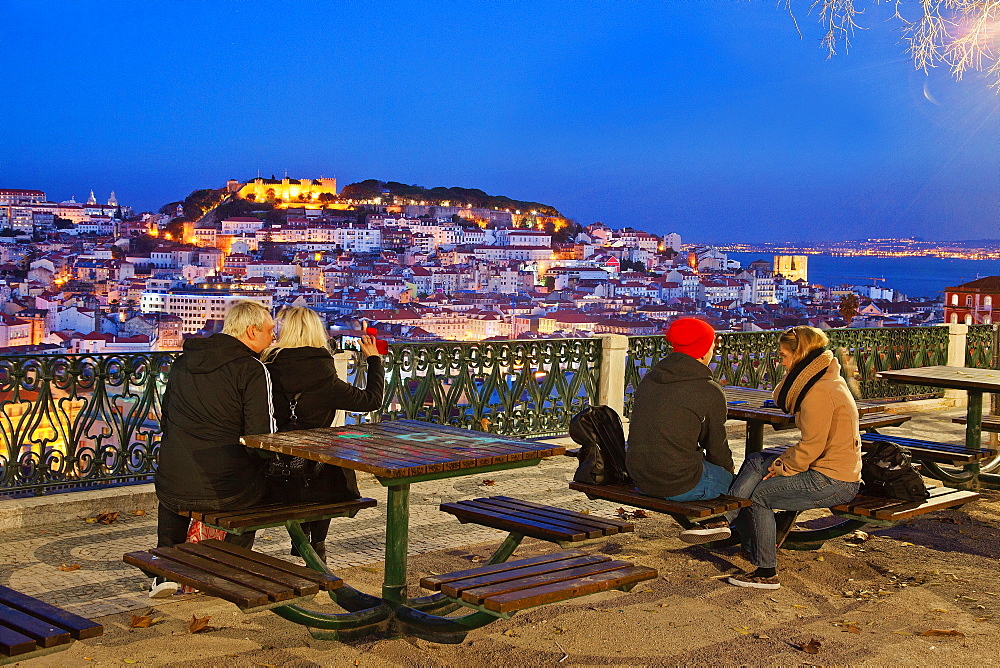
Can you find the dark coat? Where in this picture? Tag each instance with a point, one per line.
(312, 372)
(217, 391)
(678, 419)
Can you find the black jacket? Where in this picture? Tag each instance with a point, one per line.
(217, 391)
(679, 412)
(312, 372)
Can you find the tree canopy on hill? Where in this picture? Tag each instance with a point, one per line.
(198, 203)
(372, 188)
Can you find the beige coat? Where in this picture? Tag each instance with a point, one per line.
(830, 441)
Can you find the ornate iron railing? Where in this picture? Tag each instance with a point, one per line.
(529, 388)
(979, 347)
(749, 359)
(75, 421)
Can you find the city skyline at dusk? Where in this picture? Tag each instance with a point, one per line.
(712, 119)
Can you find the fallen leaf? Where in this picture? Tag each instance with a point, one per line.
(488, 483)
(91, 520)
(850, 628)
(941, 632)
(796, 605)
(983, 619)
(69, 567)
(107, 518)
(140, 622)
(939, 610)
(129, 661)
(742, 630)
(585, 511)
(621, 512)
(968, 598)
(640, 513)
(139, 513)
(811, 647)
(509, 633)
(761, 636)
(198, 624)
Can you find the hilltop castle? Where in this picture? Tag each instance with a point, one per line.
(297, 191)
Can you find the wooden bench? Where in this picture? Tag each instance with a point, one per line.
(30, 628)
(690, 510)
(858, 512)
(989, 423)
(251, 580)
(932, 451)
(526, 518)
(262, 517)
(503, 589)
(872, 421)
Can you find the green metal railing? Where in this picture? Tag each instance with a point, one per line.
(529, 388)
(78, 421)
(979, 347)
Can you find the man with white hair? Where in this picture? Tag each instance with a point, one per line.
(218, 390)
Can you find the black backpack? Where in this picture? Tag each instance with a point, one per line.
(598, 431)
(886, 471)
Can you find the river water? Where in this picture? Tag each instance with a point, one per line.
(913, 276)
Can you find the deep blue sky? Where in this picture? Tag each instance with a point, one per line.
(706, 117)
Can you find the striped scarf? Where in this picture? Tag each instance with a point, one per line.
(801, 378)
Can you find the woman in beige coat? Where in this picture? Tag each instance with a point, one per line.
(823, 469)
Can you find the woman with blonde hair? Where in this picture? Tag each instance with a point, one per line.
(307, 395)
(823, 469)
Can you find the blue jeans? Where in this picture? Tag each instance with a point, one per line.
(802, 491)
(714, 481)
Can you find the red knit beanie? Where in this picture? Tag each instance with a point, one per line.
(691, 336)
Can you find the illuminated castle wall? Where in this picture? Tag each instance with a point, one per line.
(293, 192)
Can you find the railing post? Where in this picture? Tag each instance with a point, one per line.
(611, 388)
(342, 361)
(958, 336)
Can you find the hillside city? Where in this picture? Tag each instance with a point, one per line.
(419, 265)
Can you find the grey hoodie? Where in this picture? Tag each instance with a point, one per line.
(678, 419)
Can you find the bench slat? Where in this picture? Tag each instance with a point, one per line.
(912, 509)
(562, 591)
(476, 595)
(274, 591)
(506, 523)
(43, 633)
(244, 597)
(567, 516)
(591, 528)
(13, 643)
(326, 581)
(80, 628)
(435, 582)
(241, 519)
(630, 496)
(621, 524)
(301, 586)
(932, 450)
(455, 587)
(989, 423)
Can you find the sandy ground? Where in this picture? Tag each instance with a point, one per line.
(867, 602)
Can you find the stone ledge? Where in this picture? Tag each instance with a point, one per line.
(43, 510)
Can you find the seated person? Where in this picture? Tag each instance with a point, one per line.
(677, 445)
(823, 469)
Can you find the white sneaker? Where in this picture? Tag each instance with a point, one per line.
(706, 532)
(162, 588)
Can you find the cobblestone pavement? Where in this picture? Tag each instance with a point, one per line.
(30, 559)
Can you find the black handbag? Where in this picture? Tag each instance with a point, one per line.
(287, 468)
(886, 471)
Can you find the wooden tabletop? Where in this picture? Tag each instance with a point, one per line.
(952, 377)
(753, 408)
(403, 448)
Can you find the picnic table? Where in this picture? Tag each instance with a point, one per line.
(747, 403)
(974, 382)
(400, 454)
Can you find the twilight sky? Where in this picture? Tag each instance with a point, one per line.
(710, 118)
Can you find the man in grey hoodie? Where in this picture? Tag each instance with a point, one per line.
(677, 445)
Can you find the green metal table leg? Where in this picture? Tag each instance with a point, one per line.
(755, 436)
(396, 542)
(348, 598)
(973, 436)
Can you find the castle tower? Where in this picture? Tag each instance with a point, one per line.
(91, 200)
